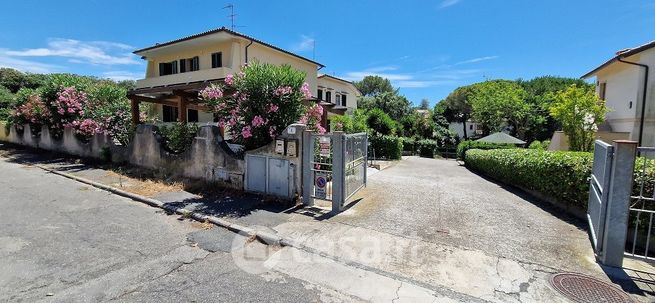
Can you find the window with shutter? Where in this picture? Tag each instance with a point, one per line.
(343, 100)
(183, 65)
(170, 113)
(328, 96)
(195, 63)
(319, 94)
(217, 60)
(168, 68)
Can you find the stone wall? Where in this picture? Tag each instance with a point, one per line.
(68, 143)
(209, 157)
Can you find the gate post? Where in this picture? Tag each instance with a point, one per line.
(338, 172)
(618, 203)
(306, 169)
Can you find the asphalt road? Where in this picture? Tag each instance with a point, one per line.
(62, 241)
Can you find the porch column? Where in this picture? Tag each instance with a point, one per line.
(181, 106)
(134, 106)
(324, 118)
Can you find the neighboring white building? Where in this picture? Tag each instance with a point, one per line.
(473, 129)
(626, 83)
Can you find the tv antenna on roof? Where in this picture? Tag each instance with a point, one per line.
(231, 15)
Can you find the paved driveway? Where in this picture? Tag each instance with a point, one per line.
(442, 202)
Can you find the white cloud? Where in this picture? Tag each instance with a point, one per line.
(447, 3)
(422, 83)
(122, 75)
(92, 52)
(480, 59)
(27, 65)
(418, 79)
(359, 75)
(306, 43)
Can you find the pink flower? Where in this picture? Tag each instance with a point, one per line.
(272, 131)
(211, 92)
(245, 132)
(272, 108)
(229, 79)
(258, 121)
(305, 90)
(283, 90)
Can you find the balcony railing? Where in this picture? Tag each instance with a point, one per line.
(188, 77)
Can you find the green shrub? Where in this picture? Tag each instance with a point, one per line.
(545, 144)
(380, 122)
(561, 175)
(536, 144)
(409, 145)
(179, 136)
(387, 147)
(426, 148)
(466, 145)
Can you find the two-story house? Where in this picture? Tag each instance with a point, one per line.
(178, 69)
(626, 83)
(339, 95)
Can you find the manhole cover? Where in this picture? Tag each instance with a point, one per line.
(584, 289)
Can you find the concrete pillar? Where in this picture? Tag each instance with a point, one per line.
(306, 169)
(338, 172)
(618, 203)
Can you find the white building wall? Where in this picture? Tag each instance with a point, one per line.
(458, 127)
(623, 95)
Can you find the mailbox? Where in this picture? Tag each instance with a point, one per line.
(292, 148)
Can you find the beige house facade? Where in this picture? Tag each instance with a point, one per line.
(337, 94)
(178, 69)
(626, 83)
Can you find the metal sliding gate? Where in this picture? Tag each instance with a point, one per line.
(334, 167)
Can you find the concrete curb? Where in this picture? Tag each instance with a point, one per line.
(266, 237)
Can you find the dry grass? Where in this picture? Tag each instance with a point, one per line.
(145, 187)
(150, 188)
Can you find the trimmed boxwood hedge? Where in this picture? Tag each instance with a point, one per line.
(387, 147)
(463, 146)
(561, 175)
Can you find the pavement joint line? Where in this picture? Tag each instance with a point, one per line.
(267, 238)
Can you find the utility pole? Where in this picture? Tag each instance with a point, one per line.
(231, 15)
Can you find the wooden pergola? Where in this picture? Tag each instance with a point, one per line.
(185, 96)
(182, 96)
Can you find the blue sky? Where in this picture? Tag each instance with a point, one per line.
(427, 48)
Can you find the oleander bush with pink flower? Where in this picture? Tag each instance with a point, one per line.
(259, 102)
(86, 104)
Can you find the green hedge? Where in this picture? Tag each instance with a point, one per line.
(409, 145)
(387, 147)
(426, 148)
(561, 175)
(466, 145)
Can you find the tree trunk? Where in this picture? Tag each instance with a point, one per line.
(464, 123)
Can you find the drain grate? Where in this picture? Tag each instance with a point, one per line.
(584, 289)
